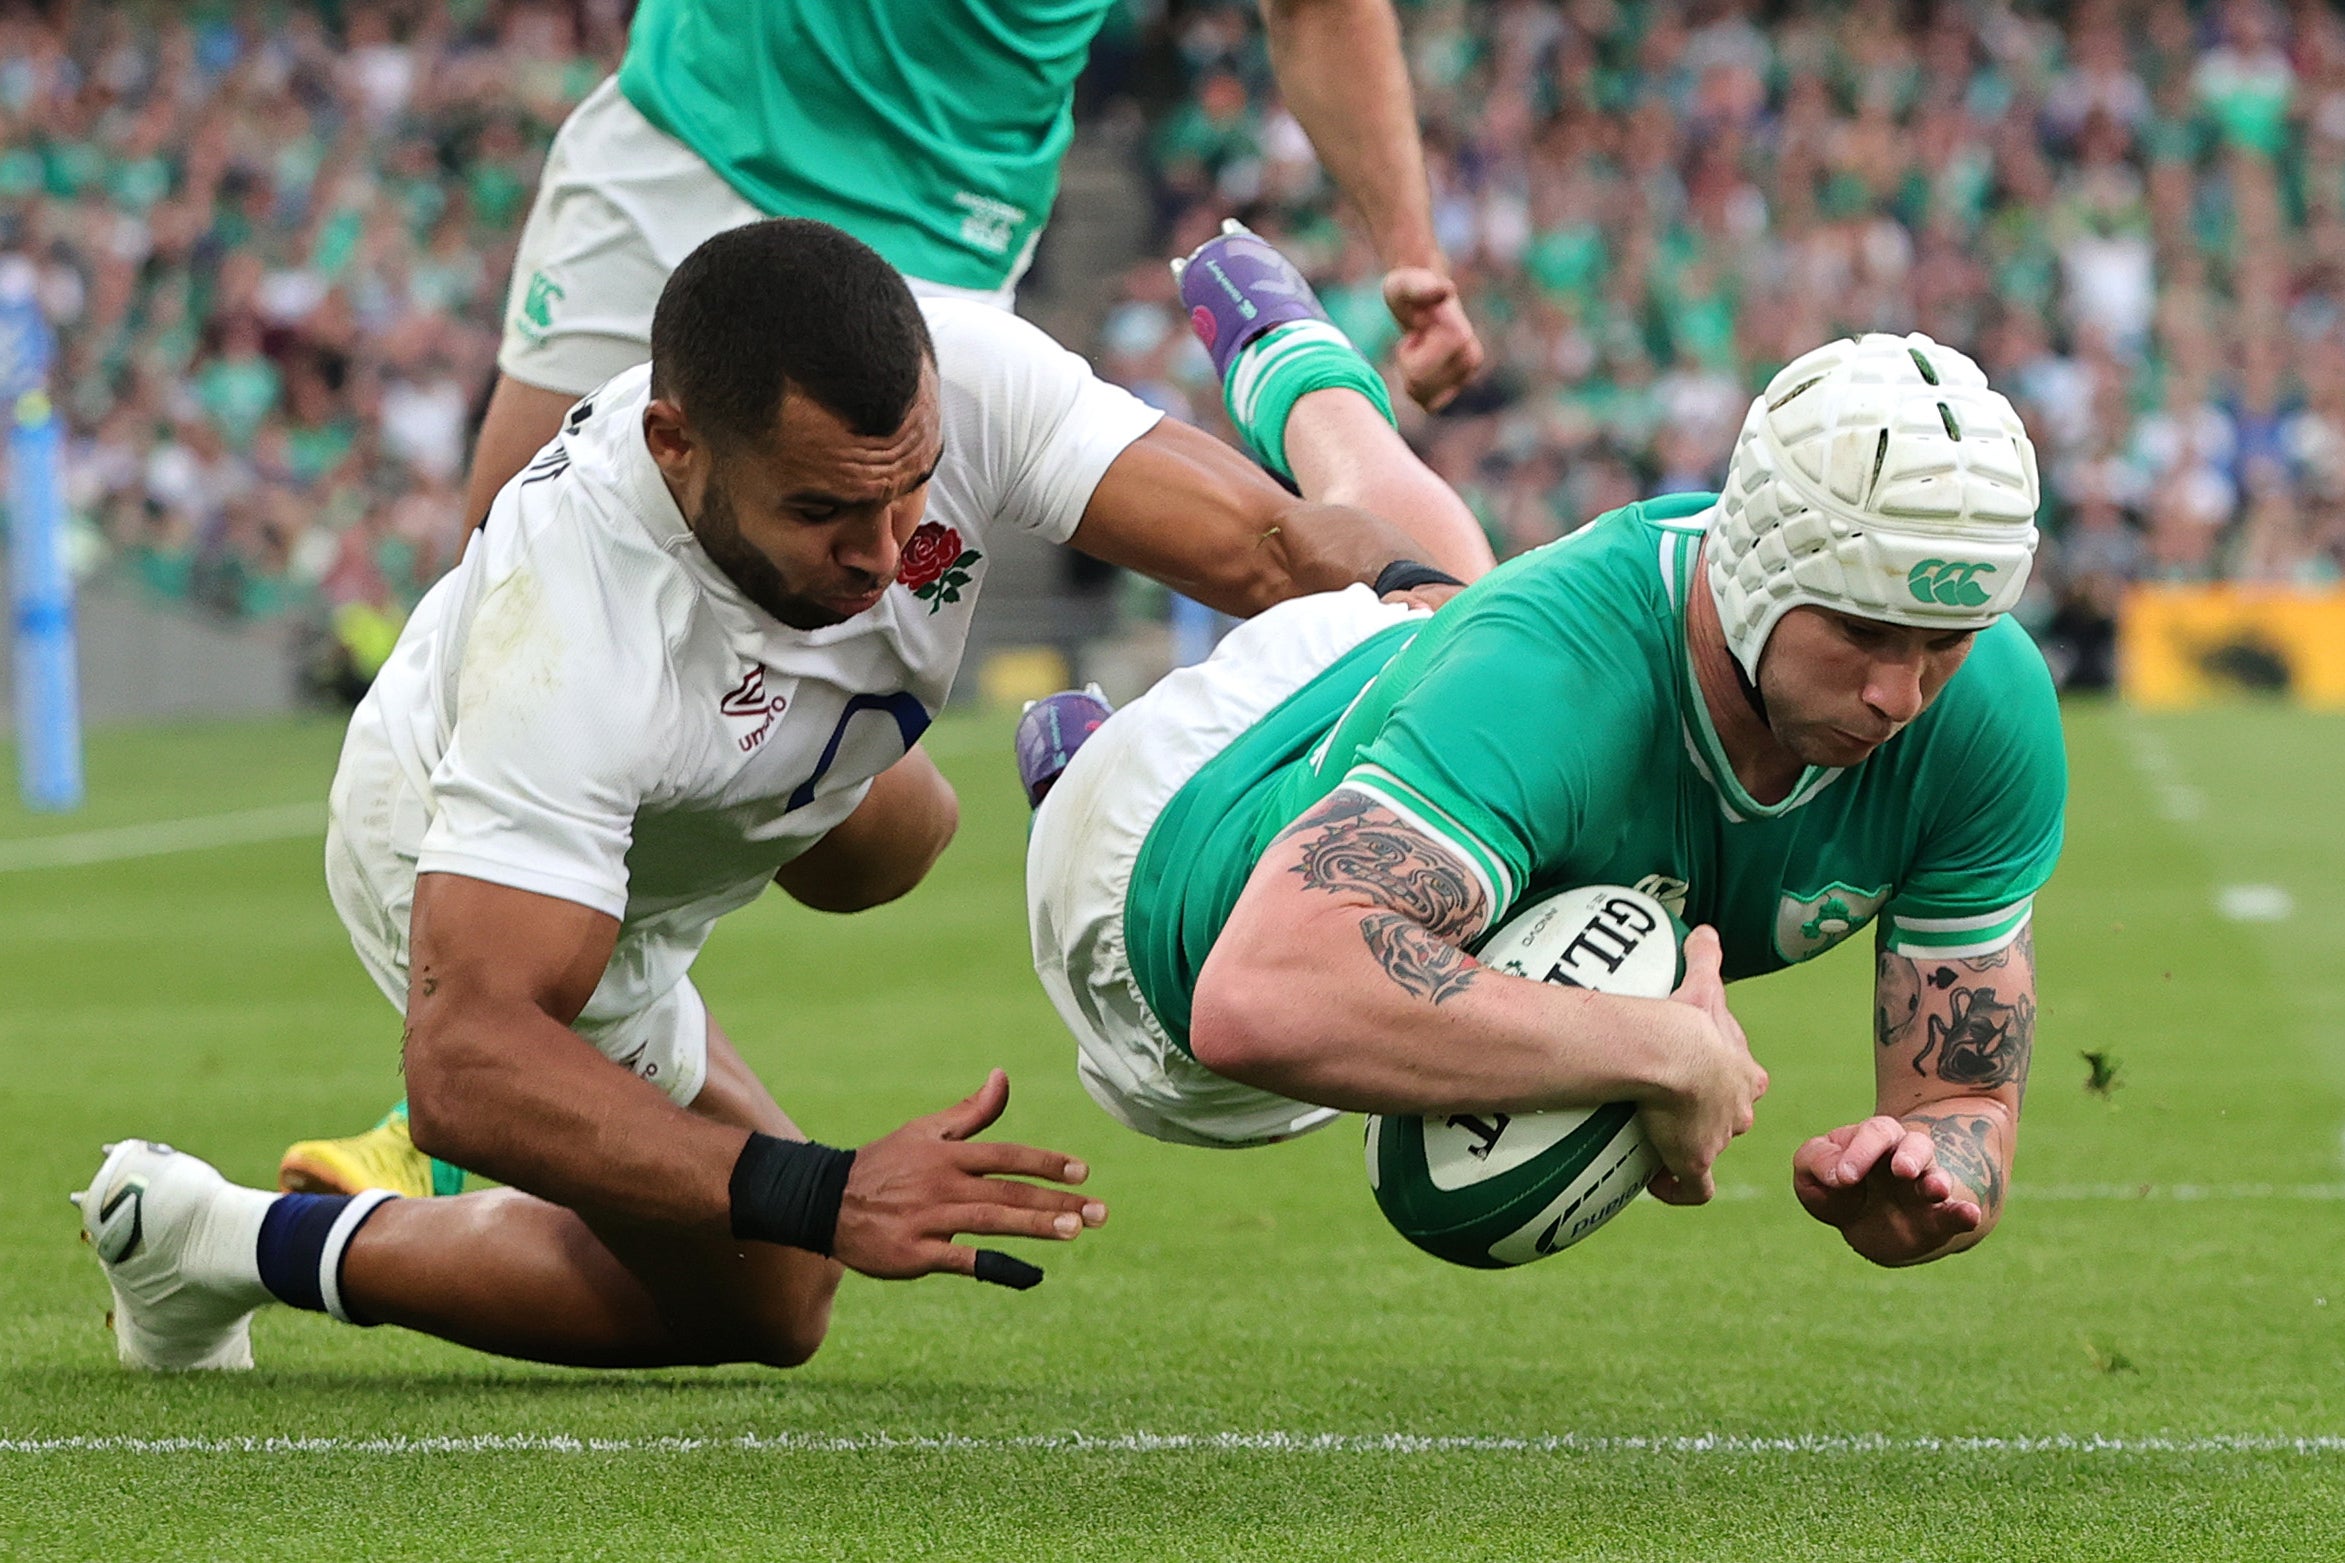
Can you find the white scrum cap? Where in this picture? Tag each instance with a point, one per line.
(1881, 477)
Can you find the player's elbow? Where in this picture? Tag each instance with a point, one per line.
(1243, 586)
(448, 1109)
(1241, 1024)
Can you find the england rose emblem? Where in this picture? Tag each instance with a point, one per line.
(935, 566)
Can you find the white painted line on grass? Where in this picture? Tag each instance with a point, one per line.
(281, 822)
(2255, 903)
(2178, 800)
(2085, 1193)
(1215, 1443)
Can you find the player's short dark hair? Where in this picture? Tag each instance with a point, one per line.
(780, 303)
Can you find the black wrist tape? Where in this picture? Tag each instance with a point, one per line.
(788, 1192)
(1402, 574)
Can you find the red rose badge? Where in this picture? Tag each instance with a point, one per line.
(935, 566)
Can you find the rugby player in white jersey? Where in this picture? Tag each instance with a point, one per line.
(690, 655)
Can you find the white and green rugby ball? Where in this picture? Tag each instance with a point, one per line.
(1494, 1190)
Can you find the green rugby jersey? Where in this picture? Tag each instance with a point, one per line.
(931, 131)
(1547, 727)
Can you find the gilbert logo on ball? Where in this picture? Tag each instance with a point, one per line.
(1494, 1190)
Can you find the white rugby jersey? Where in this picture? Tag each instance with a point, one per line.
(587, 708)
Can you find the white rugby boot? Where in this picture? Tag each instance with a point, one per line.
(177, 1241)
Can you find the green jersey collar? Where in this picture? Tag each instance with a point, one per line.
(1681, 549)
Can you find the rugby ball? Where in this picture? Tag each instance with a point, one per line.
(1495, 1190)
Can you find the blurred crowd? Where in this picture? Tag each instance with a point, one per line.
(2131, 211)
(274, 242)
(275, 238)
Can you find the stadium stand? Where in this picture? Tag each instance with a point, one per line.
(274, 239)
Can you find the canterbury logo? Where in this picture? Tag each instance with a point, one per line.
(1951, 583)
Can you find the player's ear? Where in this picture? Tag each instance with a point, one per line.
(679, 452)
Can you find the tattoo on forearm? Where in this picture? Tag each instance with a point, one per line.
(1354, 845)
(1416, 960)
(1980, 1041)
(1897, 997)
(1965, 1151)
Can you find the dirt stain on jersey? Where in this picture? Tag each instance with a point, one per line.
(513, 649)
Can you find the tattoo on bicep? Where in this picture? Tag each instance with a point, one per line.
(1416, 960)
(1353, 845)
(1897, 997)
(1964, 1150)
(2022, 948)
(1980, 1041)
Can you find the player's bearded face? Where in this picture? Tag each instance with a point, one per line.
(1837, 687)
(810, 527)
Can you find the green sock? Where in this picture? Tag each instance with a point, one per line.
(1287, 364)
(447, 1177)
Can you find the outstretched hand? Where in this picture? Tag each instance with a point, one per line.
(1879, 1182)
(1438, 350)
(910, 1193)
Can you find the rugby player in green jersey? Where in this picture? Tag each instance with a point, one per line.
(932, 130)
(1786, 711)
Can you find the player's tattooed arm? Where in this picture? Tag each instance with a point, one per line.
(1953, 1039)
(1421, 903)
(1966, 1024)
(1967, 1151)
(1415, 959)
(1897, 998)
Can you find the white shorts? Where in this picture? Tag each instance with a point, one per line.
(619, 206)
(1087, 838)
(375, 828)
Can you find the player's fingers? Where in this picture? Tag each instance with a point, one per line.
(1031, 1197)
(1915, 1155)
(976, 1112)
(1961, 1215)
(1810, 1165)
(1412, 291)
(1430, 390)
(1460, 351)
(991, 1266)
(1864, 1150)
(995, 1219)
(993, 1157)
(1691, 1188)
(1701, 965)
(1814, 1156)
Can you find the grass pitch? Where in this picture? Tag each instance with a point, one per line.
(2142, 1363)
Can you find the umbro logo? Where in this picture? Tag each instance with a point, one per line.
(749, 700)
